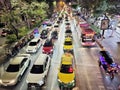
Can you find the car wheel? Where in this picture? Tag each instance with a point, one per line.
(19, 78)
(45, 79)
(28, 88)
(99, 63)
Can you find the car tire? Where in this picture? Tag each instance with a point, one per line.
(99, 63)
(45, 79)
(19, 78)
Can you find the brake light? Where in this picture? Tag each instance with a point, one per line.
(70, 69)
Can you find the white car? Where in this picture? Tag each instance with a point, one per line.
(33, 45)
(15, 70)
(39, 71)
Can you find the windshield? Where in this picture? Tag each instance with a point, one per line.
(37, 69)
(66, 69)
(48, 44)
(32, 43)
(13, 68)
(68, 43)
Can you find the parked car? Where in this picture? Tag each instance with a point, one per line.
(44, 34)
(38, 73)
(15, 70)
(33, 45)
(66, 74)
(48, 47)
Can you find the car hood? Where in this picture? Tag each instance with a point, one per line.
(66, 78)
(34, 78)
(8, 76)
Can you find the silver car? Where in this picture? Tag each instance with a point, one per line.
(15, 70)
(33, 45)
(39, 71)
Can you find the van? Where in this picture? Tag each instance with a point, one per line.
(38, 73)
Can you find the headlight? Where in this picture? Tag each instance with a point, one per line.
(0, 81)
(40, 83)
(59, 81)
(72, 81)
(12, 81)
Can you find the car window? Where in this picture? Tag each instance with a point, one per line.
(66, 69)
(37, 69)
(38, 41)
(48, 44)
(13, 68)
(22, 63)
(68, 43)
(32, 43)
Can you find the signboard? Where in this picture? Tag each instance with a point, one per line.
(104, 24)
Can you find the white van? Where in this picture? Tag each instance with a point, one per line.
(38, 73)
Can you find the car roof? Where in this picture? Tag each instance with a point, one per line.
(35, 40)
(107, 56)
(68, 39)
(17, 60)
(67, 58)
(41, 58)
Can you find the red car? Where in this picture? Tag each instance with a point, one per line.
(48, 47)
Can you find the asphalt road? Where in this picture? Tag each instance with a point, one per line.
(89, 76)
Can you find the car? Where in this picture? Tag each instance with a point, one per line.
(38, 73)
(68, 44)
(44, 34)
(66, 74)
(15, 70)
(54, 34)
(107, 61)
(67, 23)
(49, 26)
(68, 32)
(34, 45)
(48, 47)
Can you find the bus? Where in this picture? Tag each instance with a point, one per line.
(87, 36)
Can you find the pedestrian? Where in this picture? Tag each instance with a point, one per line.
(113, 25)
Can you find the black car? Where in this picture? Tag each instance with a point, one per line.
(54, 35)
(44, 34)
(68, 33)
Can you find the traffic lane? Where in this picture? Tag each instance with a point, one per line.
(22, 85)
(111, 45)
(56, 59)
(88, 75)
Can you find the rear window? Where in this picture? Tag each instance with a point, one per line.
(32, 43)
(13, 68)
(66, 69)
(68, 43)
(37, 69)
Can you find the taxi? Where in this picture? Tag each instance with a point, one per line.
(66, 74)
(68, 44)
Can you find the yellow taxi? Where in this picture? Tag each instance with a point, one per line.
(68, 44)
(66, 75)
